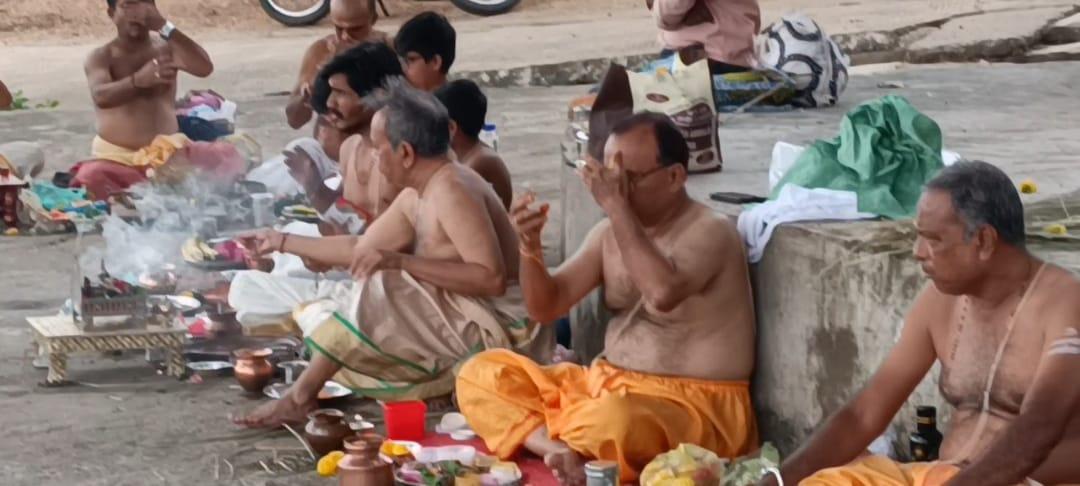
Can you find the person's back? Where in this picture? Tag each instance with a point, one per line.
(456, 182)
(467, 106)
(685, 340)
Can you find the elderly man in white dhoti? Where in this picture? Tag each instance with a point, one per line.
(436, 274)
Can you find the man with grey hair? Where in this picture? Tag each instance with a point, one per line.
(1005, 327)
(436, 274)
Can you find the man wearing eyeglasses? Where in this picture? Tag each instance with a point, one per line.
(680, 349)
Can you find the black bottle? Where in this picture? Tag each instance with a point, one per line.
(925, 440)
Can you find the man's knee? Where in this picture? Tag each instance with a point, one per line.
(615, 412)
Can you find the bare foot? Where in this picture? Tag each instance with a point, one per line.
(568, 466)
(273, 414)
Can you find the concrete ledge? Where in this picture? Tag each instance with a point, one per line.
(996, 35)
(585, 71)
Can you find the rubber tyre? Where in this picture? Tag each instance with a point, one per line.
(293, 20)
(486, 9)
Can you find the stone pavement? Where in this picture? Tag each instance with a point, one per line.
(144, 426)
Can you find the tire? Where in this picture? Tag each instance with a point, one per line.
(486, 7)
(293, 18)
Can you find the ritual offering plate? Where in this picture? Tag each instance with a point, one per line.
(300, 212)
(200, 254)
(184, 303)
(331, 391)
(453, 473)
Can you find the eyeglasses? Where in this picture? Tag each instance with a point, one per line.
(633, 178)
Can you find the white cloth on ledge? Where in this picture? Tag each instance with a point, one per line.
(795, 203)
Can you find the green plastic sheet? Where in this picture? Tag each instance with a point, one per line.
(886, 152)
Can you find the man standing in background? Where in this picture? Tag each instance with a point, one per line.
(354, 22)
(725, 29)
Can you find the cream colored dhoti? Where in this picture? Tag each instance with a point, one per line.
(397, 338)
(150, 157)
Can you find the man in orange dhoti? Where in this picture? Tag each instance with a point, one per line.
(675, 275)
(1005, 327)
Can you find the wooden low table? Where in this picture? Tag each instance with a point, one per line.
(59, 337)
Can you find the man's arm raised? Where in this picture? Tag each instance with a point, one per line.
(548, 297)
(663, 285)
(1049, 406)
(188, 55)
(298, 111)
(851, 429)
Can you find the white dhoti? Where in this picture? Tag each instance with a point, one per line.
(263, 299)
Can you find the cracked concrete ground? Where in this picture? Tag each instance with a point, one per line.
(147, 429)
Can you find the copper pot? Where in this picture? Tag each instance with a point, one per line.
(361, 465)
(253, 371)
(326, 430)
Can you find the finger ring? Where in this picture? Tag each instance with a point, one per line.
(157, 74)
(155, 62)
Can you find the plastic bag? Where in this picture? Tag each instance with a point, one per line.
(686, 95)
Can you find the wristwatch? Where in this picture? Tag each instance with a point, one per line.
(167, 30)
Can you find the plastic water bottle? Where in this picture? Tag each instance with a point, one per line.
(490, 136)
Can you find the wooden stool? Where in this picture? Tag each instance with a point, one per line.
(59, 337)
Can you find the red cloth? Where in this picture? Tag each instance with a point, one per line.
(219, 159)
(104, 177)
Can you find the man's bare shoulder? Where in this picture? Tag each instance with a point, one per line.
(487, 161)
(1060, 294)
(99, 57)
(929, 306)
(703, 227)
(463, 183)
(379, 36)
(319, 49)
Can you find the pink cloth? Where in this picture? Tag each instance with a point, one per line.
(220, 159)
(729, 38)
(104, 177)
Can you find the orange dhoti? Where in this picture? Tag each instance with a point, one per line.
(882, 471)
(601, 411)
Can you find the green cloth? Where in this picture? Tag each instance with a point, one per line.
(886, 152)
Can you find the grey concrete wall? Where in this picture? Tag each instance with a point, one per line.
(830, 301)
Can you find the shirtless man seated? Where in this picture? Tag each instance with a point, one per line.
(680, 349)
(354, 22)
(1000, 322)
(132, 81)
(467, 106)
(435, 272)
(262, 298)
